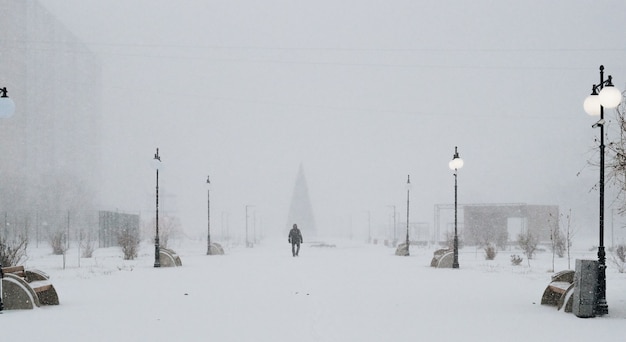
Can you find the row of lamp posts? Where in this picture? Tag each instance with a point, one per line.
(455, 164)
(157, 258)
(603, 95)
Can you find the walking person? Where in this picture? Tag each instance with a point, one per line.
(295, 239)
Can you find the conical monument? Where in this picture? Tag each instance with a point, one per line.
(301, 211)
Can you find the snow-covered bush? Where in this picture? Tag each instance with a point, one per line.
(516, 260)
(619, 258)
(528, 243)
(58, 242)
(490, 252)
(128, 240)
(87, 244)
(12, 253)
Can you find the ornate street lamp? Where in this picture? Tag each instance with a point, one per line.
(408, 189)
(455, 164)
(248, 243)
(603, 95)
(156, 162)
(395, 239)
(208, 203)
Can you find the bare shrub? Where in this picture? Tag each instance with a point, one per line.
(450, 240)
(490, 251)
(58, 242)
(128, 240)
(87, 244)
(619, 258)
(12, 253)
(516, 260)
(169, 227)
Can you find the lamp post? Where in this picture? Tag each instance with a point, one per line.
(395, 240)
(7, 108)
(455, 164)
(248, 244)
(408, 189)
(208, 205)
(369, 227)
(157, 164)
(603, 95)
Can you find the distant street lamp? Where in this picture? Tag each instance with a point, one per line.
(455, 164)
(395, 239)
(603, 95)
(248, 243)
(156, 162)
(369, 227)
(208, 204)
(408, 189)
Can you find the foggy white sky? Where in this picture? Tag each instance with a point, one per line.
(361, 93)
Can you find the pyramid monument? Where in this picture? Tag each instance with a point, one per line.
(301, 211)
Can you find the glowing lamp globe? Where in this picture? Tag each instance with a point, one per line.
(456, 163)
(592, 105)
(610, 97)
(7, 107)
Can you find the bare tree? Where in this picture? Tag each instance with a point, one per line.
(557, 239)
(87, 243)
(570, 232)
(169, 227)
(616, 160)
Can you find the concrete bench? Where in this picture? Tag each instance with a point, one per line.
(442, 258)
(559, 291)
(169, 258)
(26, 289)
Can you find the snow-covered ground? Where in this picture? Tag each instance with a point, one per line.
(352, 292)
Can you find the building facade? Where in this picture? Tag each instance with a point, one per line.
(50, 148)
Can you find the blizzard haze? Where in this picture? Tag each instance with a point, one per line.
(361, 93)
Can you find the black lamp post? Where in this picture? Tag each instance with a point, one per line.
(395, 239)
(157, 164)
(208, 204)
(7, 108)
(408, 189)
(369, 227)
(248, 243)
(455, 164)
(603, 95)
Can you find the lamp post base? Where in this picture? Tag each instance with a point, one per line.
(157, 256)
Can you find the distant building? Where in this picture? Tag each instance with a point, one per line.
(499, 223)
(301, 210)
(111, 224)
(50, 148)
(503, 223)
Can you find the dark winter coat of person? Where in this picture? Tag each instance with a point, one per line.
(295, 238)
